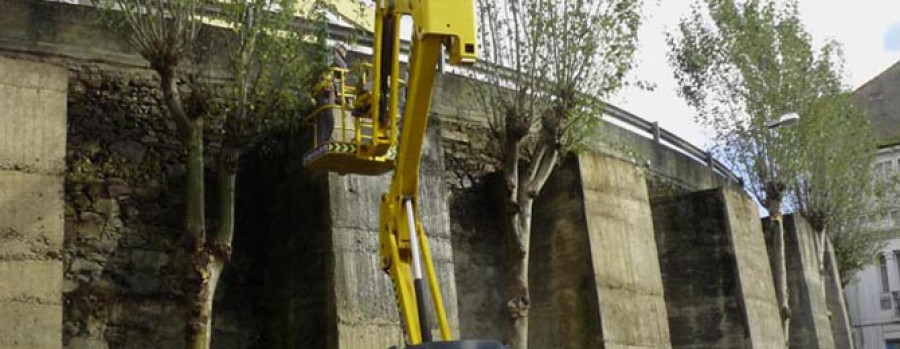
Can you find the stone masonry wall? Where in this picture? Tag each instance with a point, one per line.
(32, 166)
(122, 216)
(117, 192)
(475, 229)
(124, 260)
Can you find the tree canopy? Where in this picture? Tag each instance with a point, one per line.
(547, 64)
(229, 71)
(743, 65)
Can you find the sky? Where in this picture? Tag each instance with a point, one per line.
(868, 29)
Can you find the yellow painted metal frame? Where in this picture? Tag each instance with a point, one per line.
(436, 23)
(347, 151)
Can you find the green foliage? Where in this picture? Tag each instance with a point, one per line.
(742, 66)
(834, 178)
(272, 63)
(252, 61)
(835, 185)
(855, 247)
(546, 57)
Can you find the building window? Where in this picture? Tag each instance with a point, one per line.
(897, 260)
(885, 286)
(892, 344)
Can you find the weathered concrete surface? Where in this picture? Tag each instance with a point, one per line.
(33, 137)
(60, 32)
(810, 326)
(623, 254)
(61, 29)
(669, 172)
(699, 271)
(564, 303)
(367, 316)
(476, 231)
(595, 277)
(755, 285)
(32, 162)
(837, 306)
(292, 216)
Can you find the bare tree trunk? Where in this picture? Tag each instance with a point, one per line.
(523, 189)
(517, 293)
(206, 258)
(821, 242)
(198, 333)
(517, 296)
(779, 268)
(209, 261)
(207, 270)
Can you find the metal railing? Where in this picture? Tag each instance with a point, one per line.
(663, 137)
(659, 135)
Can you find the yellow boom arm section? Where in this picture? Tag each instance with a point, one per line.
(381, 142)
(403, 243)
(404, 250)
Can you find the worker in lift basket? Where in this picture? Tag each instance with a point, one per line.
(329, 96)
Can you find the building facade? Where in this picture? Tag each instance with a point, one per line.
(873, 296)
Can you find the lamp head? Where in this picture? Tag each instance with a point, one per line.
(788, 119)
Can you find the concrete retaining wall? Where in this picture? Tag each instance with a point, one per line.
(596, 275)
(714, 267)
(699, 272)
(623, 251)
(837, 306)
(323, 288)
(810, 326)
(367, 315)
(755, 286)
(32, 163)
(563, 290)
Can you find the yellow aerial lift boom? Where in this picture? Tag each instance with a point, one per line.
(368, 139)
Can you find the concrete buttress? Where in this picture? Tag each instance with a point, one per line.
(32, 164)
(595, 224)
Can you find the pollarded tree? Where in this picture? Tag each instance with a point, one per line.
(547, 64)
(834, 181)
(259, 47)
(837, 186)
(742, 65)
